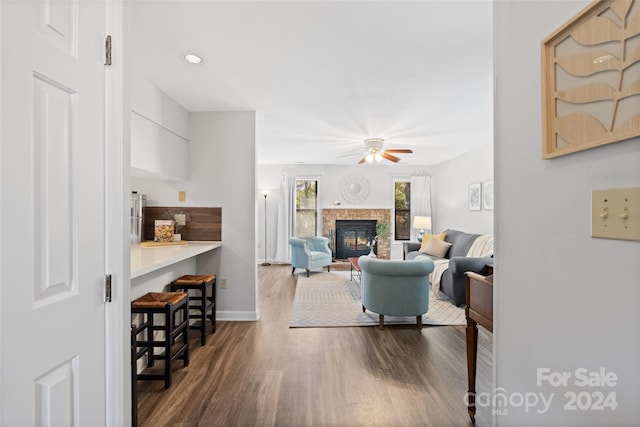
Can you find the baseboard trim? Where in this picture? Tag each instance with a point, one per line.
(238, 316)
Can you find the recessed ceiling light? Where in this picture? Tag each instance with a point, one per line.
(192, 58)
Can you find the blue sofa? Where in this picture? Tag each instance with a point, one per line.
(396, 288)
(310, 253)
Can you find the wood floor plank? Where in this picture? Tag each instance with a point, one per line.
(267, 374)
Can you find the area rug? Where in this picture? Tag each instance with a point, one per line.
(333, 300)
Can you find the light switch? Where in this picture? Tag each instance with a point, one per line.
(615, 213)
(182, 196)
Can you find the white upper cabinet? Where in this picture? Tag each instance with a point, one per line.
(159, 134)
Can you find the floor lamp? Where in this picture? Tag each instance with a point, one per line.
(265, 193)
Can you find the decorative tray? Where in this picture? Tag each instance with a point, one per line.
(152, 244)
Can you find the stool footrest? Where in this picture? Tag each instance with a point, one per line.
(174, 354)
(201, 300)
(199, 307)
(151, 377)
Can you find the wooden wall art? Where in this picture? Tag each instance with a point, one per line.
(591, 79)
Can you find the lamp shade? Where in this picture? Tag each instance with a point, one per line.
(422, 222)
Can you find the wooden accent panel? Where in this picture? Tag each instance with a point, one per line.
(591, 79)
(202, 223)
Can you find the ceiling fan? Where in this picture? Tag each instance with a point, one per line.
(375, 152)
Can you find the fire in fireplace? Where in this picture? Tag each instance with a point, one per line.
(352, 237)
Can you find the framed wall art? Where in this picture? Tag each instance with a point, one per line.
(475, 196)
(591, 79)
(487, 195)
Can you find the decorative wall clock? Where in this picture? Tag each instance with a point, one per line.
(354, 188)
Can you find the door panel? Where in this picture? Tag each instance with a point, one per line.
(52, 169)
(57, 22)
(57, 395)
(55, 152)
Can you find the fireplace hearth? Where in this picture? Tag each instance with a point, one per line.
(353, 236)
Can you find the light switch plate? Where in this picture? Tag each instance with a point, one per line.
(615, 213)
(182, 196)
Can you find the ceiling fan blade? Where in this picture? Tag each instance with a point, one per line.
(348, 155)
(364, 159)
(390, 157)
(399, 150)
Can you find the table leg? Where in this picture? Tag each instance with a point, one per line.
(472, 353)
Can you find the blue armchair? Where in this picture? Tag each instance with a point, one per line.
(309, 253)
(396, 288)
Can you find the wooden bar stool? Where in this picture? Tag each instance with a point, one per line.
(169, 304)
(204, 302)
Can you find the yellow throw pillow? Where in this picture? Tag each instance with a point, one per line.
(437, 247)
(427, 237)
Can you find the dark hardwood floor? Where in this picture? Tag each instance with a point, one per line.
(266, 374)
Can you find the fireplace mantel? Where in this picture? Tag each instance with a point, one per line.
(331, 214)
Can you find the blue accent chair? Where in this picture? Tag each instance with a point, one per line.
(396, 288)
(310, 253)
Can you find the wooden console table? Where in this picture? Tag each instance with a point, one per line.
(479, 310)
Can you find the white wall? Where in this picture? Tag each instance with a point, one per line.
(379, 176)
(220, 144)
(563, 299)
(450, 189)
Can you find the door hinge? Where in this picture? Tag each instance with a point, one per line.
(107, 288)
(107, 49)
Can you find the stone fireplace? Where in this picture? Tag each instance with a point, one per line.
(331, 215)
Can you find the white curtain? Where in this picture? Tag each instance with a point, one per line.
(420, 202)
(286, 218)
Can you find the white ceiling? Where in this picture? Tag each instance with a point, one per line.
(323, 76)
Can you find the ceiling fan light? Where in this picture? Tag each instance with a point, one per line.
(377, 157)
(192, 58)
(369, 157)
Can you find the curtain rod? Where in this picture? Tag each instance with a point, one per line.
(308, 176)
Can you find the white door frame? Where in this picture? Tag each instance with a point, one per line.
(117, 322)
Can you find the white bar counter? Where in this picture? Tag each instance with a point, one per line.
(145, 260)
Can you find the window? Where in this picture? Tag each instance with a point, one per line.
(402, 209)
(306, 207)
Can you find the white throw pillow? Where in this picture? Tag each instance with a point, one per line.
(427, 237)
(437, 247)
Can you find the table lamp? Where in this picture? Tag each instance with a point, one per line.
(423, 223)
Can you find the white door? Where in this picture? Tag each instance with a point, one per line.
(52, 169)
